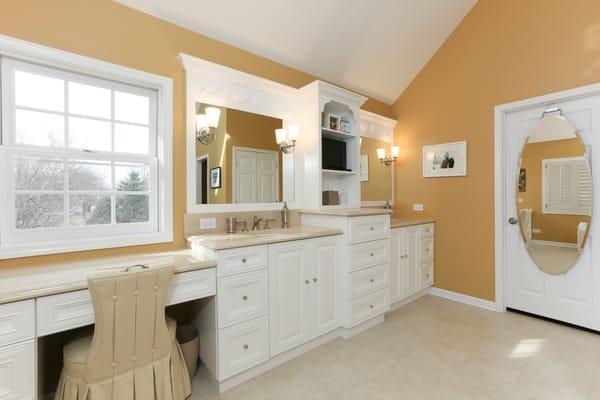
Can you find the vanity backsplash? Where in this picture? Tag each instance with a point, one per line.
(192, 221)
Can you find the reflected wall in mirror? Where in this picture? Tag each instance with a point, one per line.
(252, 167)
(378, 186)
(554, 194)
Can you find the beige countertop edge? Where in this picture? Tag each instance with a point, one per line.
(24, 289)
(226, 242)
(350, 212)
(402, 222)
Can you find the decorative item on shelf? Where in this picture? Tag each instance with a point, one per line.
(345, 125)
(215, 178)
(334, 123)
(448, 159)
(286, 138)
(385, 159)
(206, 124)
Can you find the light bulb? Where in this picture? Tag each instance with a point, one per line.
(294, 131)
(381, 153)
(213, 114)
(280, 135)
(395, 151)
(201, 121)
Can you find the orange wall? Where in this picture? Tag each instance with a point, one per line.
(503, 51)
(109, 31)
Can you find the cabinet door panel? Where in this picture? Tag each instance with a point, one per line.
(397, 274)
(289, 285)
(326, 285)
(17, 371)
(410, 260)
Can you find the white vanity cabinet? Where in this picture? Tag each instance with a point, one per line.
(305, 291)
(411, 262)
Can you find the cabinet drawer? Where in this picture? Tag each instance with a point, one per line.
(369, 306)
(372, 227)
(368, 254)
(425, 249)
(368, 280)
(426, 275)
(64, 311)
(192, 285)
(17, 371)
(243, 346)
(17, 322)
(426, 230)
(245, 259)
(242, 297)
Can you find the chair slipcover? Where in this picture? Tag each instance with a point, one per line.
(133, 353)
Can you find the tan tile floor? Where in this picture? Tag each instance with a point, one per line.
(437, 349)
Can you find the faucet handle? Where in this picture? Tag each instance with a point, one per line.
(267, 222)
(244, 225)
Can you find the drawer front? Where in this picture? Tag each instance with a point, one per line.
(17, 322)
(243, 346)
(372, 227)
(242, 297)
(368, 280)
(426, 275)
(426, 230)
(192, 285)
(64, 311)
(245, 259)
(369, 306)
(425, 249)
(369, 254)
(17, 371)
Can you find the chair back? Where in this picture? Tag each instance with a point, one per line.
(131, 329)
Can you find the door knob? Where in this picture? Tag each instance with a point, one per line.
(513, 221)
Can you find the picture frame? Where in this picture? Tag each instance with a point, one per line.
(334, 123)
(446, 159)
(215, 178)
(364, 167)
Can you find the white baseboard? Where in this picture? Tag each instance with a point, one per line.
(463, 298)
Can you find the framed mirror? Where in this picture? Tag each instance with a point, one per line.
(554, 194)
(376, 177)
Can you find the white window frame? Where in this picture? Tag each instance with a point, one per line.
(39, 241)
(548, 209)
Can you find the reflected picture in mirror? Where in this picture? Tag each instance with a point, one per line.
(554, 194)
(245, 159)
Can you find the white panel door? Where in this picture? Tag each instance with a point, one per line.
(396, 265)
(326, 288)
(410, 260)
(289, 288)
(574, 296)
(17, 371)
(267, 177)
(245, 177)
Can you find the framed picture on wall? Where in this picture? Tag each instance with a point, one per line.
(215, 178)
(447, 159)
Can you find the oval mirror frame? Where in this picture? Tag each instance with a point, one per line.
(554, 194)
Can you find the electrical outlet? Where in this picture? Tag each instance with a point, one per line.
(418, 207)
(536, 230)
(208, 223)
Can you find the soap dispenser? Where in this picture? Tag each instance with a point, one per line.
(285, 216)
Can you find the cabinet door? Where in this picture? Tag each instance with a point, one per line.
(289, 287)
(396, 265)
(17, 371)
(325, 299)
(410, 260)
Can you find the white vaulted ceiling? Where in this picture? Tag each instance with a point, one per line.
(375, 47)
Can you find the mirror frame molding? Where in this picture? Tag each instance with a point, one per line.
(211, 83)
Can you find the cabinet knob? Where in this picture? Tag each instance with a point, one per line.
(371, 305)
(427, 275)
(244, 260)
(372, 280)
(245, 297)
(307, 281)
(406, 256)
(314, 279)
(372, 254)
(245, 347)
(372, 228)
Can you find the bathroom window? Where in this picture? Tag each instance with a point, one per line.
(566, 186)
(84, 161)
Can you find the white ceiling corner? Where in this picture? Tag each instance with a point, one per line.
(375, 47)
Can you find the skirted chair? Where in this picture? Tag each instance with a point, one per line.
(133, 353)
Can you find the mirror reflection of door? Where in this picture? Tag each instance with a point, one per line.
(202, 176)
(554, 194)
(255, 176)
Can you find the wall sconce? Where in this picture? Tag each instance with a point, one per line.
(388, 160)
(206, 125)
(286, 138)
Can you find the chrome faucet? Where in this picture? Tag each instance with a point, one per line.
(256, 222)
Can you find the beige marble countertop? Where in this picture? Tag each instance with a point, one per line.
(27, 282)
(400, 222)
(349, 212)
(256, 238)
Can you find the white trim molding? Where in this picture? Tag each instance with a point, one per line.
(500, 214)
(376, 126)
(463, 298)
(49, 57)
(215, 84)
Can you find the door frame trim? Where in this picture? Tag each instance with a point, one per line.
(500, 216)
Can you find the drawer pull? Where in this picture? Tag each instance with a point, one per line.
(245, 347)
(371, 305)
(307, 281)
(245, 297)
(244, 260)
(372, 280)
(372, 228)
(315, 280)
(427, 275)
(372, 254)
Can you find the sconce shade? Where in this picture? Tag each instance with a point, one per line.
(280, 135)
(294, 131)
(395, 151)
(201, 121)
(381, 153)
(212, 114)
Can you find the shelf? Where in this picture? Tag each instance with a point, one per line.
(336, 172)
(333, 134)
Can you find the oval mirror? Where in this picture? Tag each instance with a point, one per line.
(554, 194)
